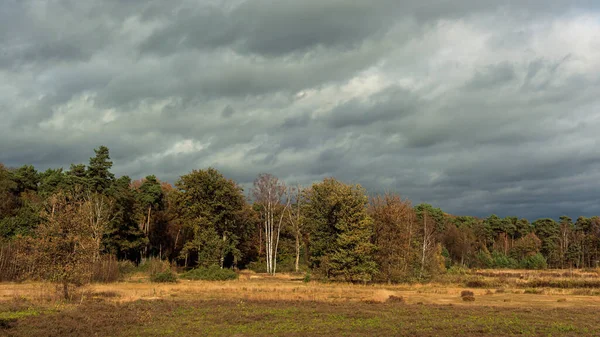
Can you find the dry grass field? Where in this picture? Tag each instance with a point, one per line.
(500, 303)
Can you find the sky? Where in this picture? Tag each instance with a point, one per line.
(474, 106)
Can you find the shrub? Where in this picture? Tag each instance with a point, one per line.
(484, 259)
(126, 267)
(477, 283)
(562, 283)
(468, 298)
(306, 278)
(457, 270)
(537, 261)
(396, 299)
(500, 260)
(154, 266)
(466, 293)
(212, 273)
(259, 266)
(164, 277)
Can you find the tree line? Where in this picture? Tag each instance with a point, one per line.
(68, 219)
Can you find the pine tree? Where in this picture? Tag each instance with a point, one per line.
(341, 231)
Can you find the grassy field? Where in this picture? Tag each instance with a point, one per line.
(546, 303)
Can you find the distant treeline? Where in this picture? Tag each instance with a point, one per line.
(330, 228)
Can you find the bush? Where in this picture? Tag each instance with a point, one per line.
(468, 298)
(466, 293)
(457, 270)
(537, 261)
(259, 266)
(395, 299)
(477, 283)
(126, 267)
(306, 278)
(164, 277)
(212, 273)
(484, 259)
(153, 266)
(500, 260)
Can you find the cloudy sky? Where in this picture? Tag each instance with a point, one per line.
(475, 106)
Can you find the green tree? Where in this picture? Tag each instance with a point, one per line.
(124, 238)
(150, 198)
(548, 231)
(77, 177)
(341, 231)
(7, 199)
(98, 172)
(26, 178)
(435, 214)
(209, 204)
(63, 248)
(52, 181)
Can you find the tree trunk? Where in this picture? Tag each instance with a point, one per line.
(297, 265)
(424, 244)
(223, 250)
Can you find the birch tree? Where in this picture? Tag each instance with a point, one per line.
(96, 209)
(271, 194)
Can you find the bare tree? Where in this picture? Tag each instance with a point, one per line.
(271, 194)
(97, 210)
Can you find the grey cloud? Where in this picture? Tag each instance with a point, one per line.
(391, 104)
(228, 111)
(493, 76)
(475, 106)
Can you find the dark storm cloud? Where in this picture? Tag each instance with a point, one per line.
(391, 104)
(475, 106)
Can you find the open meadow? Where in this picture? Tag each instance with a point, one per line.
(474, 303)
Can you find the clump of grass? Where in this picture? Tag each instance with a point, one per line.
(467, 296)
(533, 291)
(167, 276)
(585, 292)
(395, 299)
(466, 293)
(477, 283)
(457, 270)
(106, 294)
(561, 300)
(563, 283)
(212, 273)
(500, 291)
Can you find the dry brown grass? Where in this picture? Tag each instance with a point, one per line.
(285, 287)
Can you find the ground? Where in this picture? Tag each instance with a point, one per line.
(257, 305)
